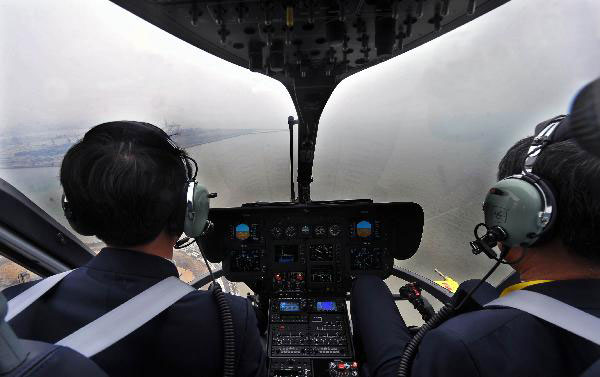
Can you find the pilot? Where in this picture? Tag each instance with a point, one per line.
(506, 341)
(126, 179)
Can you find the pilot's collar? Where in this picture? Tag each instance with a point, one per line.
(521, 285)
(130, 262)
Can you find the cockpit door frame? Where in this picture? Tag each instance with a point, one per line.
(33, 239)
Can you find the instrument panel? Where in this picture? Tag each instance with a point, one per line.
(314, 248)
(301, 260)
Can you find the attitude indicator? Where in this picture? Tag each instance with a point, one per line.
(364, 229)
(242, 232)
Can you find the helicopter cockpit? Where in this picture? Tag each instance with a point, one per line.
(407, 103)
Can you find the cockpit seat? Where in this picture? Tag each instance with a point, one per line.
(21, 358)
(592, 371)
(49, 360)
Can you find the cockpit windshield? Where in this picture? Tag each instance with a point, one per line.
(428, 126)
(432, 125)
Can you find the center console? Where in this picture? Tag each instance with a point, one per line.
(300, 260)
(316, 327)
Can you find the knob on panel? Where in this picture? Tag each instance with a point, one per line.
(335, 230)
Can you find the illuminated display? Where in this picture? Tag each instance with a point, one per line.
(286, 254)
(242, 232)
(364, 229)
(289, 306)
(326, 306)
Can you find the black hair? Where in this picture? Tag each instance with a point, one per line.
(126, 181)
(575, 178)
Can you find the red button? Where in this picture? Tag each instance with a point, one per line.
(299, 277)
(354, 365)
(341, 366)
(278, 277)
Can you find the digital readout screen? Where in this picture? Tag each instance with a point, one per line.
(286, 254)
(289, 306)
(242, 232)
(326, 306)
(364, 229)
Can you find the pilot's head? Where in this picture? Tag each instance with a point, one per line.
(125, 183)
(575, 178)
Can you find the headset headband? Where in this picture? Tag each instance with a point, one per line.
(540, 141)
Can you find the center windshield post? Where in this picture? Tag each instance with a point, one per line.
(291, 123)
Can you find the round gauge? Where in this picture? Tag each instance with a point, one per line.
(276, 232)
(321, 248)
(320, 231)
(290, 231)
(321, 253)
(335, 230)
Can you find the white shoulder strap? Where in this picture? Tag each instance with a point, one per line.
(126, 318)
(553, 311)
(20, 302)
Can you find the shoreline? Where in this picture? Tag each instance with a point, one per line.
(56, 164)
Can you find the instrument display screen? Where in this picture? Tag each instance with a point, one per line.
(289, 306)
(364, 229)
(285, 254)
(242, 232)
(326, 306)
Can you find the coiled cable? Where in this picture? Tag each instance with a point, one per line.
(226, 320)
(438, 318)
(411, 347)
(228, 330)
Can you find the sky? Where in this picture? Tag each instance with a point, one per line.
(67, 63)
(428, 126)
(72, 62)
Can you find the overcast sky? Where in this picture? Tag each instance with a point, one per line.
(72, 62)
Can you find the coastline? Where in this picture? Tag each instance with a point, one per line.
(29, 155)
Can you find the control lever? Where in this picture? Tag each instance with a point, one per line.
(339, 368)
(261, 319)
(412, 292)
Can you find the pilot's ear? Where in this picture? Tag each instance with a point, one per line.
(514, 254)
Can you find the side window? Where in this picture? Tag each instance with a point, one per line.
(189, 264)
(191, 267)
(12, 273)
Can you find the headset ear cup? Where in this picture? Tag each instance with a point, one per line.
(514, 204)
(77, 225)
(196, 211)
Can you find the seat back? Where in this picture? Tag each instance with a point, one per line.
(593, 370)
(20, 358)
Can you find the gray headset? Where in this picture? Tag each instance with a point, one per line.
(197, 198)
(523, 206)
(196, 209)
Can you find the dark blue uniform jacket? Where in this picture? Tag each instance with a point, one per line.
(497, 342)
(184, 340)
